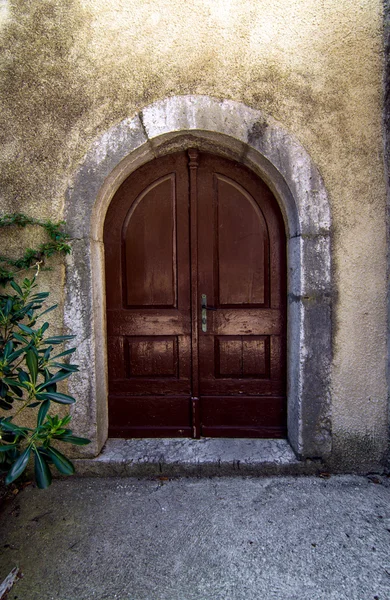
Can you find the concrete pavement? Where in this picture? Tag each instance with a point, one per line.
(236, 538)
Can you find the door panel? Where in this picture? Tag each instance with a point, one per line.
(241, 238)
(241, 269)
(229, 416)
(147, 416)
(177, 229)
(148, 302)
(242, 356)
(149, 247)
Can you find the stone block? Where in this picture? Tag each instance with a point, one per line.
(104, 156)
(88, 384)
(305, 183)
(309, 265)
(187, 113)
(316, 357)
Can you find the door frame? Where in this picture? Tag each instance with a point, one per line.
(235, 131)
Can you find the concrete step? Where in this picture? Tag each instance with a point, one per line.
(187, 457)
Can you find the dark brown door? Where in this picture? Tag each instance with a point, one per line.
(196, 310)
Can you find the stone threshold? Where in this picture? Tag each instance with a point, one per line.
(206, 457)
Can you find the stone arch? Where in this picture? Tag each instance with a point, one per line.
(238, 132)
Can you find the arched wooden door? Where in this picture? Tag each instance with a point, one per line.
(196, 302)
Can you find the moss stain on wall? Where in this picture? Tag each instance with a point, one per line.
(91, 64)
(72, 69)
(42, 87)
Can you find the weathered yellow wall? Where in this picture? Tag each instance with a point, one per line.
(73, 68)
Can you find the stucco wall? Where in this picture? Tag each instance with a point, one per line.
(72, 69)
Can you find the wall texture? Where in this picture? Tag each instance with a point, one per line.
(72, 69)
(386, 124)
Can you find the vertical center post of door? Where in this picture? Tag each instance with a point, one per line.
(193, 155)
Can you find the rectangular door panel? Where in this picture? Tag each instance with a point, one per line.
(149, 259)
(244, 416)
(242, 356)
(241, 245)
(245, 321)
(146, 416)
(241, 387)
(152, 356)
(150, 365)
(141, 322)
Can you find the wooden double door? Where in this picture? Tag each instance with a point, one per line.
(196, 302)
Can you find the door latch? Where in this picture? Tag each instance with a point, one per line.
(205, 308)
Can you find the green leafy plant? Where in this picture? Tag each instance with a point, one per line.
(29, 374)
(58, 243)
(31, 368)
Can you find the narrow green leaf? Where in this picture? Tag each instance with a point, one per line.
(46, 353)
(58, 339)
(7, 448)
(15, 354)
(43, 412)
(8, 349)
(23, 376)
(57, 377)
(60, 398)
(4, 388)
(42, 471)
(16, 287)
(68, 431)
(26, 307)
(60, 431)
(8, 307)
(44, 327)
(25, 328)
(19, 466)
(70, 351)
(16, 390)
(32, 364)
(48, 310)
(62, 463)
(19, 337)
(8, 426)
(10, 381)
(43, 452)
(5, 405)
(41, 397)
(72, 439)
(47, 374)
(65, 366)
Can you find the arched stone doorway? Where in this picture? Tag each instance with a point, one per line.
(234, 131)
